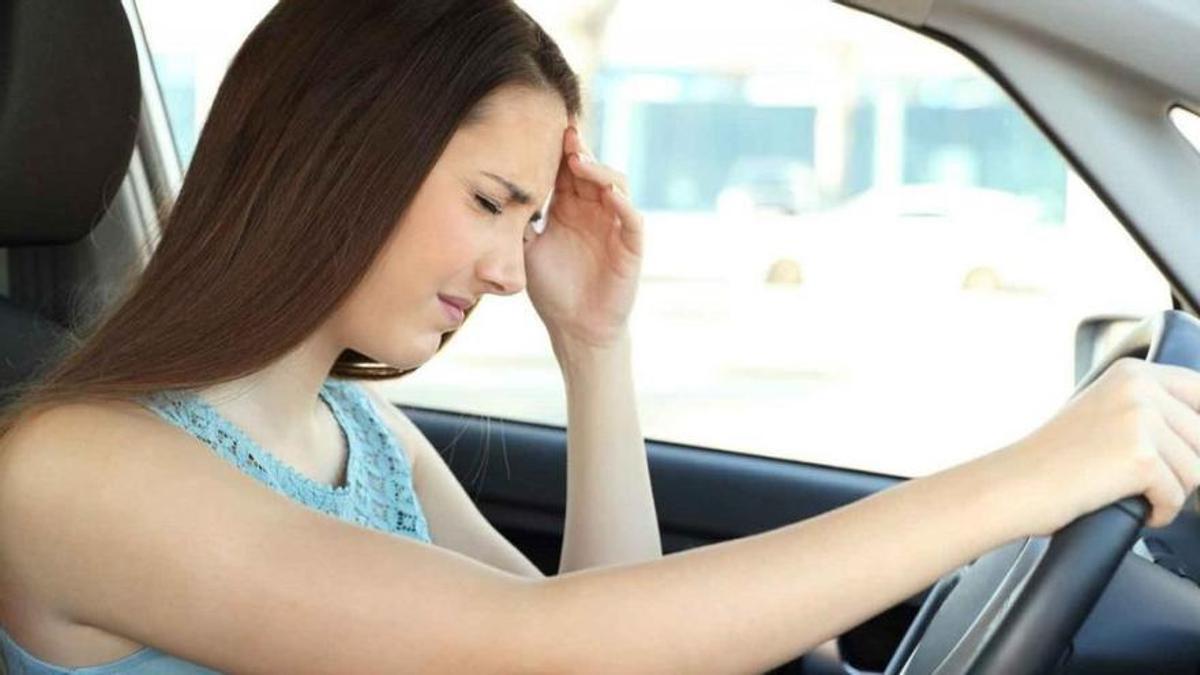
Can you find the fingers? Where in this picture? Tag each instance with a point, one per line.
(572, 146)
(1175, 385)
(596, 177)
(632, 226)
(1166, 498)
(1183, 421)
(594, 181)
(573, 141)
(591, 176)
(1180, 442)
(1183, 383)
(564, 181)
(1176, 440)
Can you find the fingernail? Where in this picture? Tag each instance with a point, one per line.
(583, 159)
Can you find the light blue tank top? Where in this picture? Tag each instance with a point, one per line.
(378, 493)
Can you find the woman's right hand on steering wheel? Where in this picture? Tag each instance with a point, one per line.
(1135, 430)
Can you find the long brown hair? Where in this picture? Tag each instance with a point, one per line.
(326, 123)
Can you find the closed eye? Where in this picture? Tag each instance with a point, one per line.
(488, 204)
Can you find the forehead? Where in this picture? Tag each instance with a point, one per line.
(519, 137)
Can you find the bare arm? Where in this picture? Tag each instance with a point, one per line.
(131, 525)
(753, 603)
(610, 515)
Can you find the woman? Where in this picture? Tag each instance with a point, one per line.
(367, 172)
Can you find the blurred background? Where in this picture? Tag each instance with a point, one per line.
(860, 252)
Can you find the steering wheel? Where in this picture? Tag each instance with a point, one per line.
(1016, 609)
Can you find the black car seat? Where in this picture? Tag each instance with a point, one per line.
(70, 98)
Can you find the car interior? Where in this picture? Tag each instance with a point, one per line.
(84, 172)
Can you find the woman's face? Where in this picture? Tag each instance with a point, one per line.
(450, 244)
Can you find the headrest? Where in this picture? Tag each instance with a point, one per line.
(70, 97)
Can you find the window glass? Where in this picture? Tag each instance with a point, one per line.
(1188, 124)
(859, 251)
(191, 45)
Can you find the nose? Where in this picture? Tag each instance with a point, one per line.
(503, 268)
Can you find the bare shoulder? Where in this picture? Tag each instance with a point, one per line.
(55, 442)
(105, 417)
(62, 460)
(69, 442)
(51, 461)
(115, 518)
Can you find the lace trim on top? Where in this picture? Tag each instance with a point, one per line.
(378, 491)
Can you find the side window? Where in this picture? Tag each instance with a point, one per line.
(1188, 124)
(860, 252)
(191, 45)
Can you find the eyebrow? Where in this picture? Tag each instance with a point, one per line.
(514, 193)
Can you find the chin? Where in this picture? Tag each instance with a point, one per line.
(415, 354)
(435, 344)
(427, 351)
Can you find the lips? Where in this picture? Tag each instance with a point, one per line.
(457, 302)
(455, 308)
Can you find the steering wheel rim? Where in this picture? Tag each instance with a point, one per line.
(1016, 608)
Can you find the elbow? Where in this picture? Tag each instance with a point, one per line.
(539, 637)
(560, 625)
